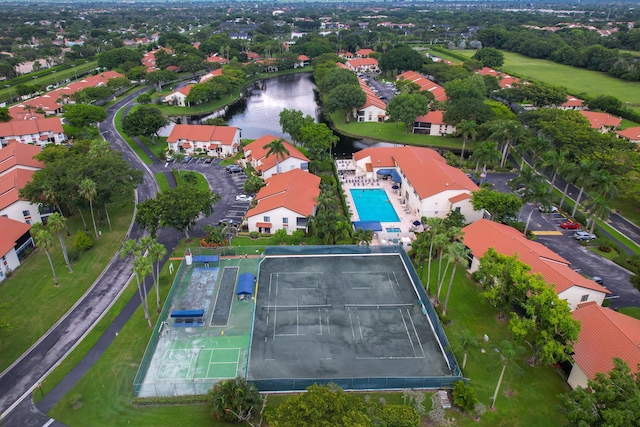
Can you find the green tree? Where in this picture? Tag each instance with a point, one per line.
(464, 396)
(506, 354)
(116, 57)
(4, 115)
(44, 239)
(598, 208)
(457, 254)
(81, 115)
(233, 400)
(536, 193)
(318, 139)
(345, 97)
(584, 178)
(253, 184)
(144, 99)
(179, 207)
(278, 149)
(87, 190)
(508, 133)
(156, 252)
(468, 130)
(141, 268)
(160, 77)
(471, 87)
(291, 121)
(403, 58)
(57, 224)
(486, 152)
(554, 160)
(489, 57)
(467, 109)
(335, 77)
(611, 399)
(406, 107)
(543, 95)
(321, 406)
(464, 341)
(363, 236)
(499, 205)
(147, 120)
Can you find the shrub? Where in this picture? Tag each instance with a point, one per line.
(635, 281)
(464, 396)
(83, 241)
(254, 234)
(397, 415)
(634, 261)
(605, 245)
(280, 235)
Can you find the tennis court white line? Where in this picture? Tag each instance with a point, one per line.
(359, 326)
(388, 357)
(416, 332)
(407, 331)
(353, 334)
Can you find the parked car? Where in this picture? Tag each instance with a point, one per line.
(234, 169)
(568, 225)
(598, 280)
(226, 221)
(583, 235)
(243, 198)
(208, 160)
(186, 159)
(547, 209)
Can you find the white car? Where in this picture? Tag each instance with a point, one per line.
(243, 198)
(583, 235)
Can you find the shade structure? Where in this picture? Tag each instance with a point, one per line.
(390, 172)
(246, 283)
(368, 225)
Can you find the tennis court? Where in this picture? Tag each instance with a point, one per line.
(341, 316)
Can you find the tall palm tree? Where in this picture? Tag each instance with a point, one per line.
(468, 130)
(598, 208)
(232, 400)
(87, 190)
(486, 152)
(568, 172)
(434, 227)
(363, 236)
(464, 341)
(536, 194)
(44, 239)
(585, 178)
(156, 251)
(554, 160)
(526, 178)
(605, 184)
(57, 223)
(505, 354)
(538, 146)
(278, 149)
(142, 268)
(507, 132)
(458, 253)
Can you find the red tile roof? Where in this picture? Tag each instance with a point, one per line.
(460, 197)
(10, 231)
(11, 183)
(599, 120)
(605, 334)
(362, 62)
(572, 101)
(433, 117)
(425, 84)
(17, 154)
(218, 59)
(204, 133)
(303, 58)
(211, 75)
(484, 234)
(295, 190)
(18, 112)
(100, 79)
(632, 134)
(364, 52)
(30, 127)
(258, 153)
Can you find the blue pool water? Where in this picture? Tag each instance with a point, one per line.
(373, 205)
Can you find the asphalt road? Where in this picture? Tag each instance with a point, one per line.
(587, 263)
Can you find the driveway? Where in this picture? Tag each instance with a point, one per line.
(587, 263)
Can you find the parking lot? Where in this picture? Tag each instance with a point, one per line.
(587, 263)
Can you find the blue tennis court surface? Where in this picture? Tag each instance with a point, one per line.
(373, 205)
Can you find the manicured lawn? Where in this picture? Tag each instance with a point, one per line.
(34, 304)
(631, 311)
(391, 133)
(529, 400)
(182, 178)
(118, 122)
(159, 147)
(161, 179)
(576, 80)
(611, 255)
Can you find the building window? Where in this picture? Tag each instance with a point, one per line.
(26, 213)
(266, 219)
(584, 298)
(285, 221)
(458, 209)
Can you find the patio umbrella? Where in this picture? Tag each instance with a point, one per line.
(395, 187)
(416, 223)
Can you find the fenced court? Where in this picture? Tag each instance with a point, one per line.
(355, 319)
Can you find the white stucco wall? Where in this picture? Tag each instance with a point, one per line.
(574, 295)
(276, 218)
(577, 377)
(285, 165)
(10, 263)
(14, 211)
(371, 114)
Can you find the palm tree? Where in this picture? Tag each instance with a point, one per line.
(88, 191)
(465, 340)
(486, 152)
(156, 252)
(232, 400)
(363, 236)
(57, 223)
(142, 268)
(568, 172)
(506, 353)
(585, 178)
(598, 208)
(44, 239)
(278, 149)
(605, 184)
(555, 160)
(538, 146)
(179, 157)
(434, 227)
(536, 194)
(466, 129)
(508, 132)
(458, 254)
(526, 178)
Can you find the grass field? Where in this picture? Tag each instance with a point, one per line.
(141, 154)
(631, 311)
(576, 80)
(161, 179)
(183, 178)
(31, 288)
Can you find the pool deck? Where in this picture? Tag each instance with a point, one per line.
(407, 230)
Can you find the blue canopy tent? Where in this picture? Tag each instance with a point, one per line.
(368, 225)
(390, 172)
(246, 284)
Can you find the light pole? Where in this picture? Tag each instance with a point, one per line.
(10, 94)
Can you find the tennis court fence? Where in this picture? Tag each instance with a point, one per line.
(370, 383)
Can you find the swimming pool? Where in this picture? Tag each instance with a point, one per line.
(373, 205)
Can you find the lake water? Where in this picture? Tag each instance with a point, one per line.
(258, 112)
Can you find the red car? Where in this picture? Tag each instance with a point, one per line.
(570, 225)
